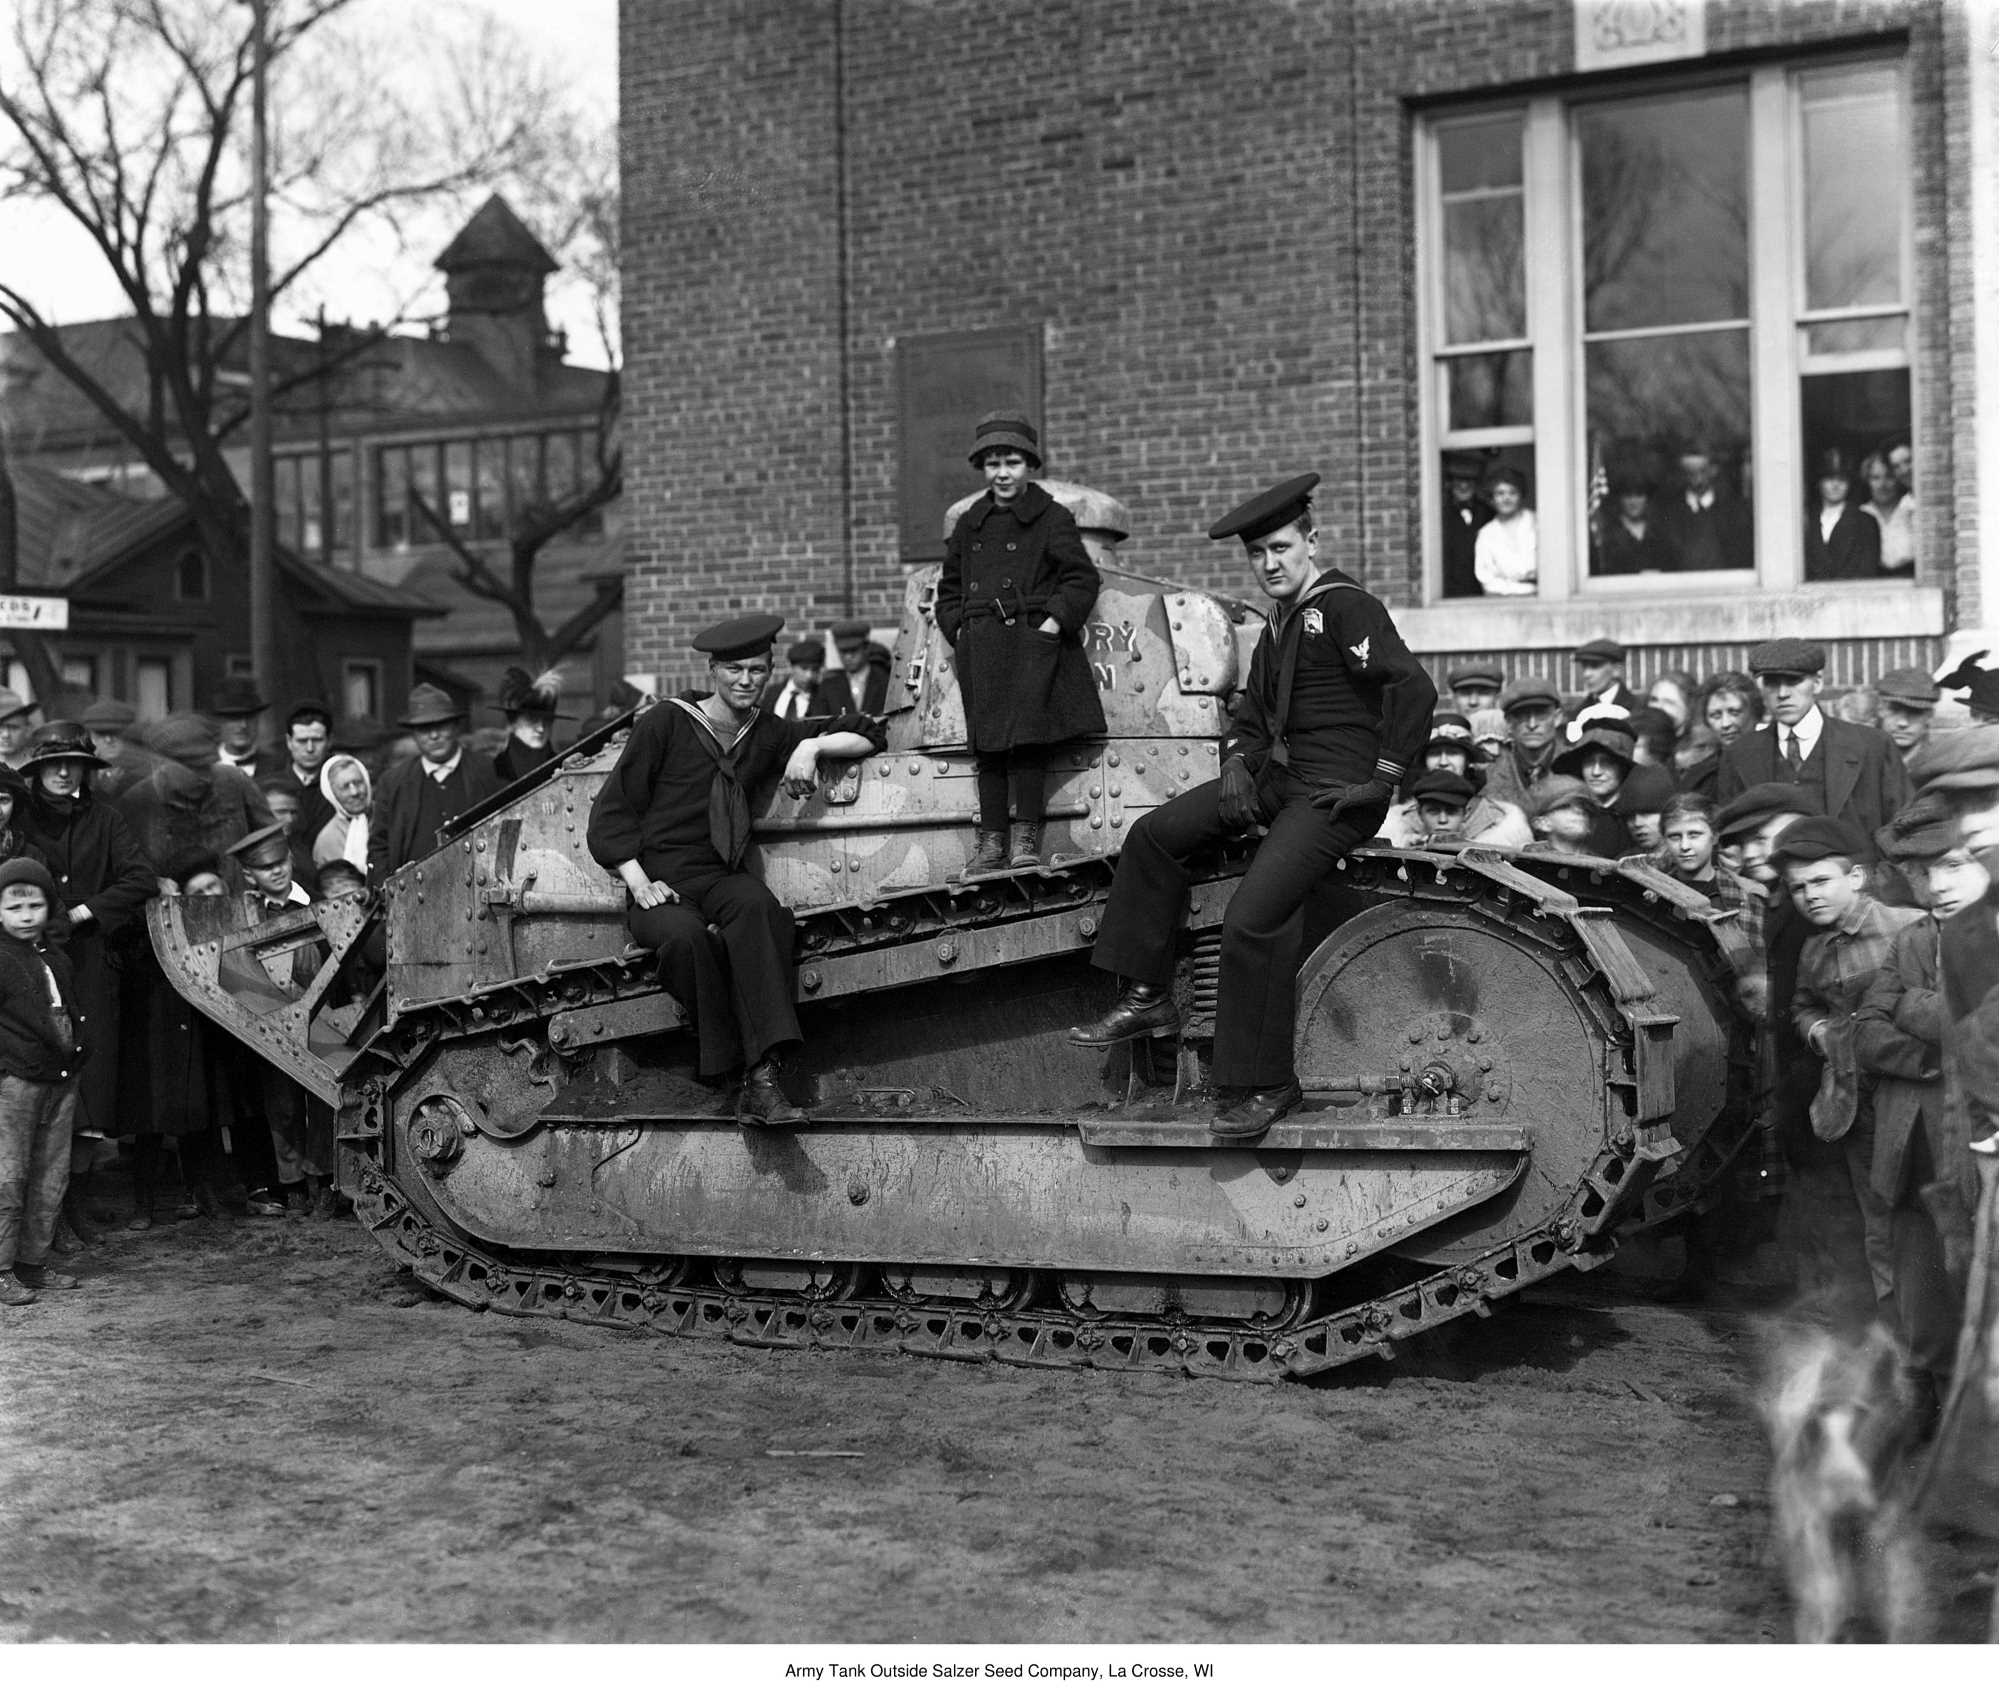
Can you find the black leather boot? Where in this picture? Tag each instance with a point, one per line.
(1140, 1010)
(989, 854)
(1247, 1113)
(763, 1103)
(1024, 846)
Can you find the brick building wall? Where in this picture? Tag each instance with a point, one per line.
(1207, 207)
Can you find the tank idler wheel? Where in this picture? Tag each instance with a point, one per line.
(807, 1282)
(1002, 1290)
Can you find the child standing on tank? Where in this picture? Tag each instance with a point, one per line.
(1016, 589)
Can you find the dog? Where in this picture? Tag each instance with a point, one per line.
(1844, 1422)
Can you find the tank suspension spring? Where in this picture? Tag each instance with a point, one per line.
(1206, 966)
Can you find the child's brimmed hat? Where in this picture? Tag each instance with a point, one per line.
(1003, 431)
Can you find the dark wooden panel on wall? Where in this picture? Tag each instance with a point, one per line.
(944, 385)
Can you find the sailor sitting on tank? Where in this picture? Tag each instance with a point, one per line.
(672, 821)
(1334, 712)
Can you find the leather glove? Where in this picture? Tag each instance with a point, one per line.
(1238, 809)
(1336, 801)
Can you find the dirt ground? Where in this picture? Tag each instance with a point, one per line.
(262, 1431)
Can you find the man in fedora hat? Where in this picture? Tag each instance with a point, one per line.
(1851, 770)
(236, 710)
(418, 797)
(530, 705)
(15, 726)
(861, 682)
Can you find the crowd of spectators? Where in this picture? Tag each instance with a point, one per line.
(1852, 836)
(100, 813)
(1857, 857)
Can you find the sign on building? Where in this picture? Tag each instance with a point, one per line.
(45, 613)
(1614, 33)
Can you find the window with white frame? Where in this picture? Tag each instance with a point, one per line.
(1666, 336)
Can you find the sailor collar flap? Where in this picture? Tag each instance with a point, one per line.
(1293, 615)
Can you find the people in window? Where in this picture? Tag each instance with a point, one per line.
(1895, 514)
(1466, 512)
(1503, 553)
(1842, 541)
(1705, 526)
(1898, 454)
(1633, 542)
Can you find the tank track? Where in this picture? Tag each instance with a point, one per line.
(1616, 1186)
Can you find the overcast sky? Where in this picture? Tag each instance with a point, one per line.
(49, 259)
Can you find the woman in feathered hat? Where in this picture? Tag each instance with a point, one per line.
(530, 707)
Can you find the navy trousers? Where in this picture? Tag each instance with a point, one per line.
(1263, 930)
(736, 983)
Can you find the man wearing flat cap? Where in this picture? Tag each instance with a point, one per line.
(1333, 714)
(790, 700)
(16, 723)
(1963, 770)
(1923, 1167)
(1475, 686)
(1851, 770)
(415, 799)
(1533, 711)
(110, 723)
(1601, 664)
(672, 821)
(861, 682)
(1906, 706)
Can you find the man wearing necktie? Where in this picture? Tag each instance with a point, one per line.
(791, 699)
(672, 821)
(236, 710)
(1707, 527)
(418, 797)
(1851, 771)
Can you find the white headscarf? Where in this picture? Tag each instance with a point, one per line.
(344, 836)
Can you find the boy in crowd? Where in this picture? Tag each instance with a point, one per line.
(1921, 1169)
(38, 1070)
(300, 1142)
(1824, 861)
(1563, 814)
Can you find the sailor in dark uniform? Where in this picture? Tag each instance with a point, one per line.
(1335, 711)
(672, 821)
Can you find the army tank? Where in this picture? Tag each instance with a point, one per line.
(1509, 1059)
